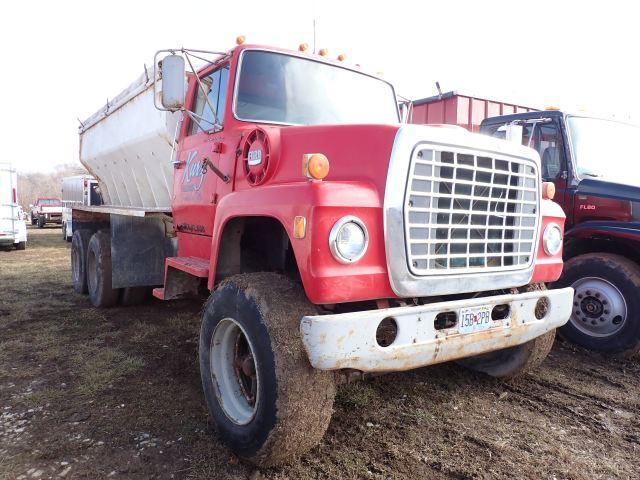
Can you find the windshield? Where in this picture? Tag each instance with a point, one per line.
(605, 148)
(279, 88)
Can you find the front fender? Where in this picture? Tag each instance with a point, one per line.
(548, 268)
(605, 229)
(322, 203)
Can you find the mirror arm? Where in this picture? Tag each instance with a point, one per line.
(197, 118)
(206, 96)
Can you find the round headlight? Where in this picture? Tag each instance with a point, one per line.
(348, 239)
(552, 239)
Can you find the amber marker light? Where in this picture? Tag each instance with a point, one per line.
(323, 52)
(552, 108)
(315, 166)
(240, 39)
(548, 190)
(299, 227)
(342, 57)
(303, 47)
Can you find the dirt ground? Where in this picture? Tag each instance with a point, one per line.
(94, 394)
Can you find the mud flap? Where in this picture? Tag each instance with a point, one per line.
(139, 247)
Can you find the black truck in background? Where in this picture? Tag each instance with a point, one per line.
(595, 169)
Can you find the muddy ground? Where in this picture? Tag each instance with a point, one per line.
(116, 394)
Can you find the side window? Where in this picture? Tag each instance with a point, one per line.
(95, 197)
(215, 84)
(549, 145)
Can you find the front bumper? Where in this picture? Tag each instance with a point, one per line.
(348, 340)
(53, 217)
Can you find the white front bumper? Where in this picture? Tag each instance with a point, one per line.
(348, 340)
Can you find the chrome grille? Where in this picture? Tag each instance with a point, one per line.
(468, 212)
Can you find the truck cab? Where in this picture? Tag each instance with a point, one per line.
(590, 161)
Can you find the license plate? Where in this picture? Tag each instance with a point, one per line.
(474, 319)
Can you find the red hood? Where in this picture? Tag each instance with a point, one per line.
(355, 152)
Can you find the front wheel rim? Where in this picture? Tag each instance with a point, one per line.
(234, 371)
(599, 308)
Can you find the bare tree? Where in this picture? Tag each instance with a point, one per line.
(32, 185)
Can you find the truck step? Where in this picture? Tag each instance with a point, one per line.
(198, 267)
(158, 293)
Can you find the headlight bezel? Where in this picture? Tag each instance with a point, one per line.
(333, 236)
(546, 238)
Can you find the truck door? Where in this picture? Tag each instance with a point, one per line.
(195, 181)
(547, 140)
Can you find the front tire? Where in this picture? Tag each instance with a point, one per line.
(606, 308)
(21, 246)
(101, 293)
(515, 361)
(269, 403)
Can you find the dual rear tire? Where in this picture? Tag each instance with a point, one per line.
(101, 293)
(91, 271)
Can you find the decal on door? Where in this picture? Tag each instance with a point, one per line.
(193, 176)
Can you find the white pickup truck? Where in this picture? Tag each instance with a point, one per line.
(13, 231)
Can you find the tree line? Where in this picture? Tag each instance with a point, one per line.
(32, 185)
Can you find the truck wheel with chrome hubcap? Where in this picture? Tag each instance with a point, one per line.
(606, 302)
(514, 361)
(270, 405)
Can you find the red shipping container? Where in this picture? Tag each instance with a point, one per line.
(466, 111)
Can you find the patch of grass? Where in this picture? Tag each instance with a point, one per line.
(184, 322)
(351, 463)
(421, 415)
(99, 368)
(140, 332)
(40, 398)
(355, 395)
(10, 349)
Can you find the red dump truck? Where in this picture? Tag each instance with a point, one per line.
(331, 240)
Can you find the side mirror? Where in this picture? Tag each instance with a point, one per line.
(172, 72)
(513, 133)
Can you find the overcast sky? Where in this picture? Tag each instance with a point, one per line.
(62, 60)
